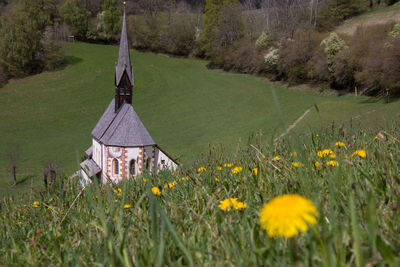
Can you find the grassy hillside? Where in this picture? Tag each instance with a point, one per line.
(184, 105)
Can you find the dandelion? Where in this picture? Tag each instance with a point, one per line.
(276, 158)
(317, 165)
(237, 170)
(25, 205)
(332, 163)
(156, 191)
(339, 144)
(19, 223)
(127, 206)
(169, 185)
(49, 207)
(118, 191)
(184, 178)
(332, 156)
(360, 153)
(229, 203)
(145, 180)
(201, 169)
(51, 199)
(286, 215)
(324, 153)
(35, 204)
(317, 135)
(297, 164)
(228, 165)
(217, 179)
(219, 168)
(255, 171)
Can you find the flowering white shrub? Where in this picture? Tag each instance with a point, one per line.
(265, 40)
(271, 58)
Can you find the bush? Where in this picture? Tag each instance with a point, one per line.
(3, 77)
(396, 30)
(265, 40)
(271, 59)
(333, 45)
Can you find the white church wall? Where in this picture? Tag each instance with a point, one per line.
(132, 153)
(163, 161)
(96, 152)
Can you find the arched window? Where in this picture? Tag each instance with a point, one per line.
(116, 166)
(148, 164)
(132, 167)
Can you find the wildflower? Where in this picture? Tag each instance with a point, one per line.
(237, 170)
(332, 163)
(156, 191)
(19, 223)
(96, 196)
(145, 180)
(184, 178)
(201, 169)
(297, 164)
(276, 158)
(228, 165)
(49, 207)
(286, 215)
(118, 191)
(339, 144)
(360, 153)
(332, 156)
(217, 179)
(25, 205)
(255, 171)
(317, 165)
(229, 203)
(293, 154)
(169, 185)
(324, 153)
(317, 135)
(51, 199)
(219, 168)
(35, 204)
(127, 206)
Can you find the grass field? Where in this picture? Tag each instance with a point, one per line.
(184, 105)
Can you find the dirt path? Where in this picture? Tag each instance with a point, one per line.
(293, 125)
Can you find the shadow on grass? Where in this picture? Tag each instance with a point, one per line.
(71, 60)
(25, 179)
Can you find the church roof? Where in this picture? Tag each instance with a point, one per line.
(90, 167)
(89, 151)
(124, 61)
(122, 128)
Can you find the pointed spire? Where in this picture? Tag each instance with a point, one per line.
(124, 61)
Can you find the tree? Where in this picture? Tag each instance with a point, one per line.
(75, 16)
(13, 157)
(112, 17)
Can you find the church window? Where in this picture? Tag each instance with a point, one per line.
(148, 164)
(132, 167)
(116, 167)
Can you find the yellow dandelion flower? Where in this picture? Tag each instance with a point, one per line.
(169, 185)
(201, 169)
(339, 144)
(219, 168)
(240, 205)
(25, 205)
(127, 206)
(332, 163)
(145, 180)
(49, 207)
(324, 153)
(332, 156)
(297, 164)
(118, 191)
(317, 135)
(360, 153)
(227, 204)
(217, 179)
(35, 204)
(237, 170)
(228, 165)
(255, 170)
(156, 191)
(287, 215)
(184, 178)
(51, 199)
(19, 223)
(317, 165)
(276, 158)
(377, 138)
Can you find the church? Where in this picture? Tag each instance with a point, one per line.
(122, 148)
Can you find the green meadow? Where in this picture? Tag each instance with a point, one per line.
(185, 106)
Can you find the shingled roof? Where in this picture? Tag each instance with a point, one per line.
(124, 61)
(123, 128)
(90, 167)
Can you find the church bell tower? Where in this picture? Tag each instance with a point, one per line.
(123, 70)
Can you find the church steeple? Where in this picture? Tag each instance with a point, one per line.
(123, 70)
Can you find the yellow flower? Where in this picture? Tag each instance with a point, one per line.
(169, 185)
(145, 180)
(219, 168)
(49, 207)
(237, 170)
(276, 158)
(317, 165)
(297, 164)
(332, 156)
(229, 203)
(286, 215)
(332, 163)
(324, 153)
(228, 165)
(19, 223)
(51, 199)
(217, 179)
(156, 191)
(360, 153)
(25, 205)
(317, 135)
(184, 178)
(294, 154)
(127, 206)
(339, 144)
(118, 191)
(255, 171)
(377, 138)
(35, 204)
(201, 169)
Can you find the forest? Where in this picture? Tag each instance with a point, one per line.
(292, 40)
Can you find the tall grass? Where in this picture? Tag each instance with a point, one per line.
(358, 203)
